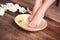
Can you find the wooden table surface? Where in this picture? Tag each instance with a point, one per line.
(10, 31)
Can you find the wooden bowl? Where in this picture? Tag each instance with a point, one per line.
(22, 21)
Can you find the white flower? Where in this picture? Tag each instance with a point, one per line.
(22, 10)
(2, 11)
(17, 6)
(4, 7)
(28, 10)
(11, 7)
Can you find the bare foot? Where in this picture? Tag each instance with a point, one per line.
(40, 13)
(38, 4)
(36, 21)
(31, 17)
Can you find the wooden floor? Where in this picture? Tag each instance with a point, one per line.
(10, 31)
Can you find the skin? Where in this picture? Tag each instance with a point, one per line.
(39, 11)
(38, 4)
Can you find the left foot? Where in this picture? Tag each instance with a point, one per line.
(36, 21)
(38, 4)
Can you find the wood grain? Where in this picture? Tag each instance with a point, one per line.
(9, 30)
